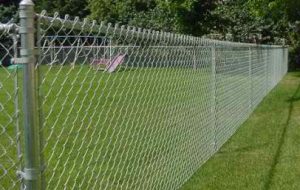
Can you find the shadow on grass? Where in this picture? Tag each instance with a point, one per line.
(128, 69)
(244, 149)
(282, 139)
(296, 73)
(294, 99)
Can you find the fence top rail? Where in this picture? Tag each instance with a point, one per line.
(6, 28)
(107, 29)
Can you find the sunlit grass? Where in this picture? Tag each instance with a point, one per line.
(264, 153)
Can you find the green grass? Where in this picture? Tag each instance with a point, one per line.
(116, 121)
(264, 153)
(116, 130)
(130, 129)
(8, 148)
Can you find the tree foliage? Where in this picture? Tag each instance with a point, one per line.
(70, 7)
(234, 17)
(245, 20)
(185, 16)
(7, 13)
(285, 17)
(293, 10)
(8, 10)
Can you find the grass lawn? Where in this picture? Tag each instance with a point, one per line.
(115, 130)
(133, 129)
(264, 153)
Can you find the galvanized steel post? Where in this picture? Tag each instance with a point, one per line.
(214, 98)
(250, 80)
(31, 173)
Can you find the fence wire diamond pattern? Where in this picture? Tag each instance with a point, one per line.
(126, 108)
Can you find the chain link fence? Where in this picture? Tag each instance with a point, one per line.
(10, 132)
(115, 107)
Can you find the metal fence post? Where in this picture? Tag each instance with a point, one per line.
(250, 79)
(40, 95)
(266, 71)
(16, 100)
(213, 87)
(31, 173)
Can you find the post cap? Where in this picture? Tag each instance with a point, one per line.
(26, 2)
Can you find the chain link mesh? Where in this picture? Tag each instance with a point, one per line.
(10, 148)
(128, 108)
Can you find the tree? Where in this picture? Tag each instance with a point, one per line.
(184, 16)
(8, 10)
(234, 17)
(7, 13)
(70, 7)
(293, 10)
(118, 11)
(285, 16)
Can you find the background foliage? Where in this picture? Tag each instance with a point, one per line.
(256, 21)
